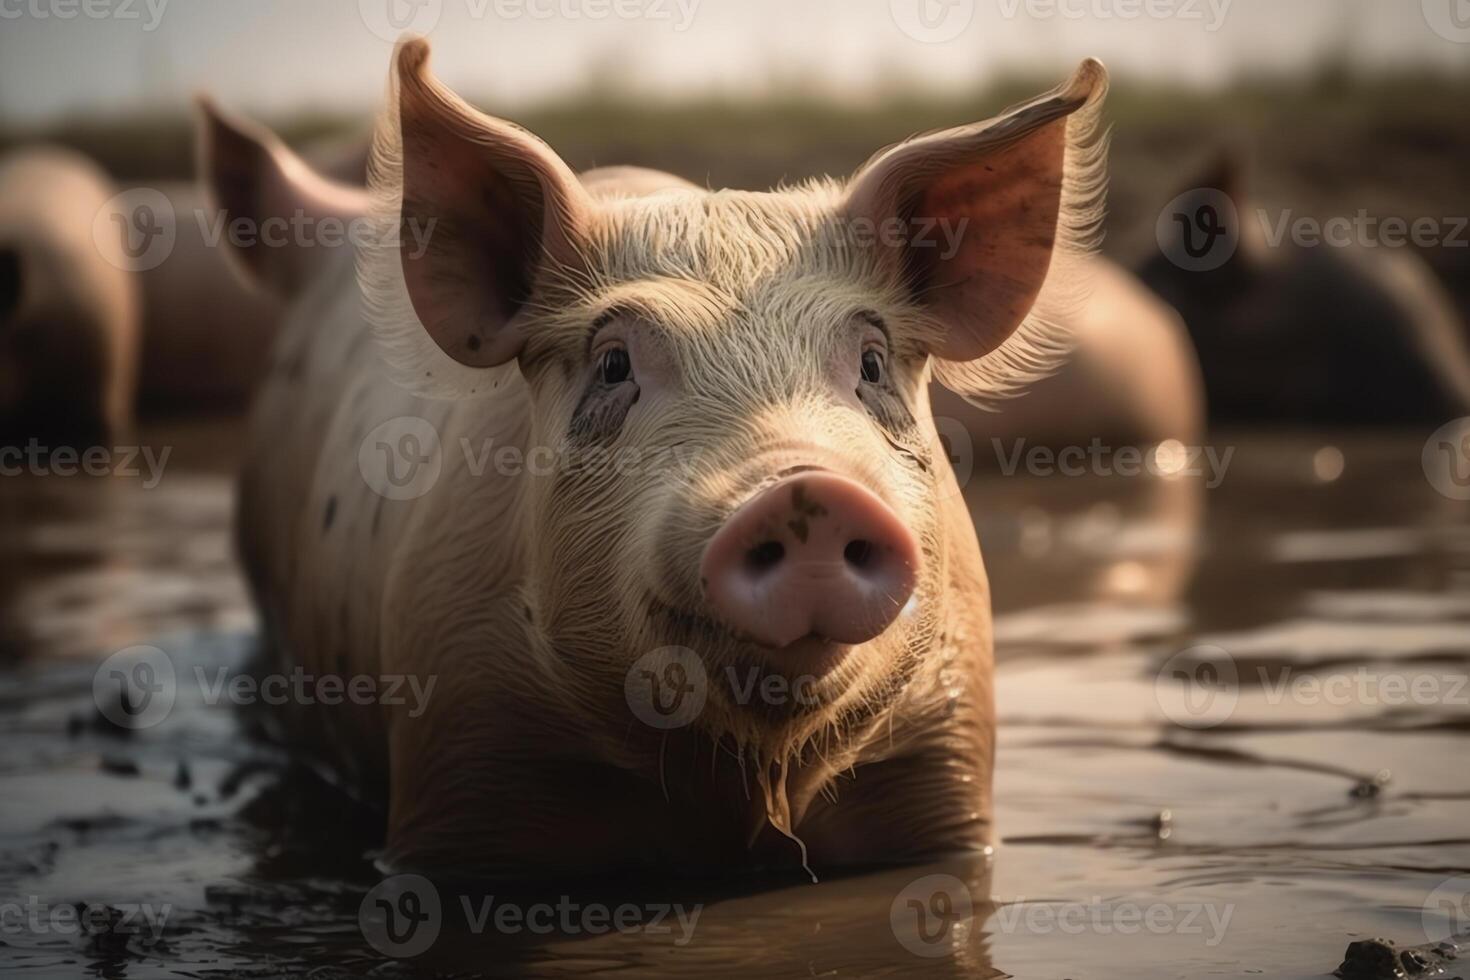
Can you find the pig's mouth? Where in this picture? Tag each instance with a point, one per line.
(813, 654)
(744, 670)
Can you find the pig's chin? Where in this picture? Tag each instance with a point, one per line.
(805, 682)
(812, 681)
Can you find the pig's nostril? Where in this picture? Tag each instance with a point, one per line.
(765, 556)
(858, 553)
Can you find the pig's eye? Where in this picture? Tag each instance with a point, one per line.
(614, 367)
(872, 365)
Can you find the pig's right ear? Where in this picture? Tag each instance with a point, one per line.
(985, 217)
(264, 190)
(486, 210)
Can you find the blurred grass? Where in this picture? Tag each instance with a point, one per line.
(1330, 142)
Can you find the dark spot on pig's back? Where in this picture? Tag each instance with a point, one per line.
(330, 514)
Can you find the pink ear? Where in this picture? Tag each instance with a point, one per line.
(497, 205)
(254, 177)
(979, 207)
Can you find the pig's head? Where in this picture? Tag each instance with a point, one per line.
(734, 385)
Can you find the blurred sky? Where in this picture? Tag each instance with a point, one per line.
(272, 56)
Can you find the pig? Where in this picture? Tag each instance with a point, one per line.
(1288, 334)
(720, 606)
(207, 331)
(69, 306)
(1129, 360)
(94, 327)
(209, 325)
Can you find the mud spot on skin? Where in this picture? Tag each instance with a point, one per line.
(805, 509)
(330, 515)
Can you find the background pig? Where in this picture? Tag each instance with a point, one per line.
(207, 330)
(1129, 361)
(98, 325)
(1320, 335)
(68, 306)
(766, 367)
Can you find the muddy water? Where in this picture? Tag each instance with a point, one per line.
(1234, 739)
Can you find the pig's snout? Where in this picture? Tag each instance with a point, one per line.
(815, 554)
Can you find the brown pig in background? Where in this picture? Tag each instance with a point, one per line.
(1333, 333)
(69, 307)
(119, 301)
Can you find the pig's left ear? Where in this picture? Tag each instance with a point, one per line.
(969, 220)
(264, 190)
(482, 212)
